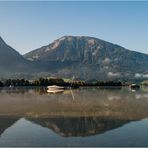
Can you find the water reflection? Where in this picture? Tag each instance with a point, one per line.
(81, 126)
(6, 122)
(67, 127)
(49, 132)
(23, 90)
(113, 103)
(92, 112)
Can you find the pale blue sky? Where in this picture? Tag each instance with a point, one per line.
(29, 25)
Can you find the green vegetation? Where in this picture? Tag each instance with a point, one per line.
(16, 82)
(56, 81)
(1, 84)
(145, 83)
(68, 82)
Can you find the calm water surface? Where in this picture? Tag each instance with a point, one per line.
(92, 117)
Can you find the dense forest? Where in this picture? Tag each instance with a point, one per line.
(55, 81)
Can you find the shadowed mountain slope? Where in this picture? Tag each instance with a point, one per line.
(11, 62)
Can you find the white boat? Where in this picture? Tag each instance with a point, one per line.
(55, 89)
(134, 86)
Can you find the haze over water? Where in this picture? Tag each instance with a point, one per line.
(94, 117)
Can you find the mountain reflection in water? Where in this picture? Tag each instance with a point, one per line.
(92, 112)
(67, 127)
(82, 126)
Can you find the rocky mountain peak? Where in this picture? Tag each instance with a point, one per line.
(95, 58)
(2, 41)
(77, 56)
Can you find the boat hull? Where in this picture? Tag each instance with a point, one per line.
(55, 91)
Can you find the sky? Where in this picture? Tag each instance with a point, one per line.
(26, 26)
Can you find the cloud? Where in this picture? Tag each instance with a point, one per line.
(145, 75)
(106, 61)
(114, 74)
(140, 75)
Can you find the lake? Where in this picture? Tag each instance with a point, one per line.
(79, 117)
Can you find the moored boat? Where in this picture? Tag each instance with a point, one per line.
(134, 86)
(55, 89)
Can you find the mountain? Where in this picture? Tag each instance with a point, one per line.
(11, 60)
(78, 57)
(14, 65)
(89, 58)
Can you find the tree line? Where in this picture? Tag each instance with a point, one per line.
(55, 81)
